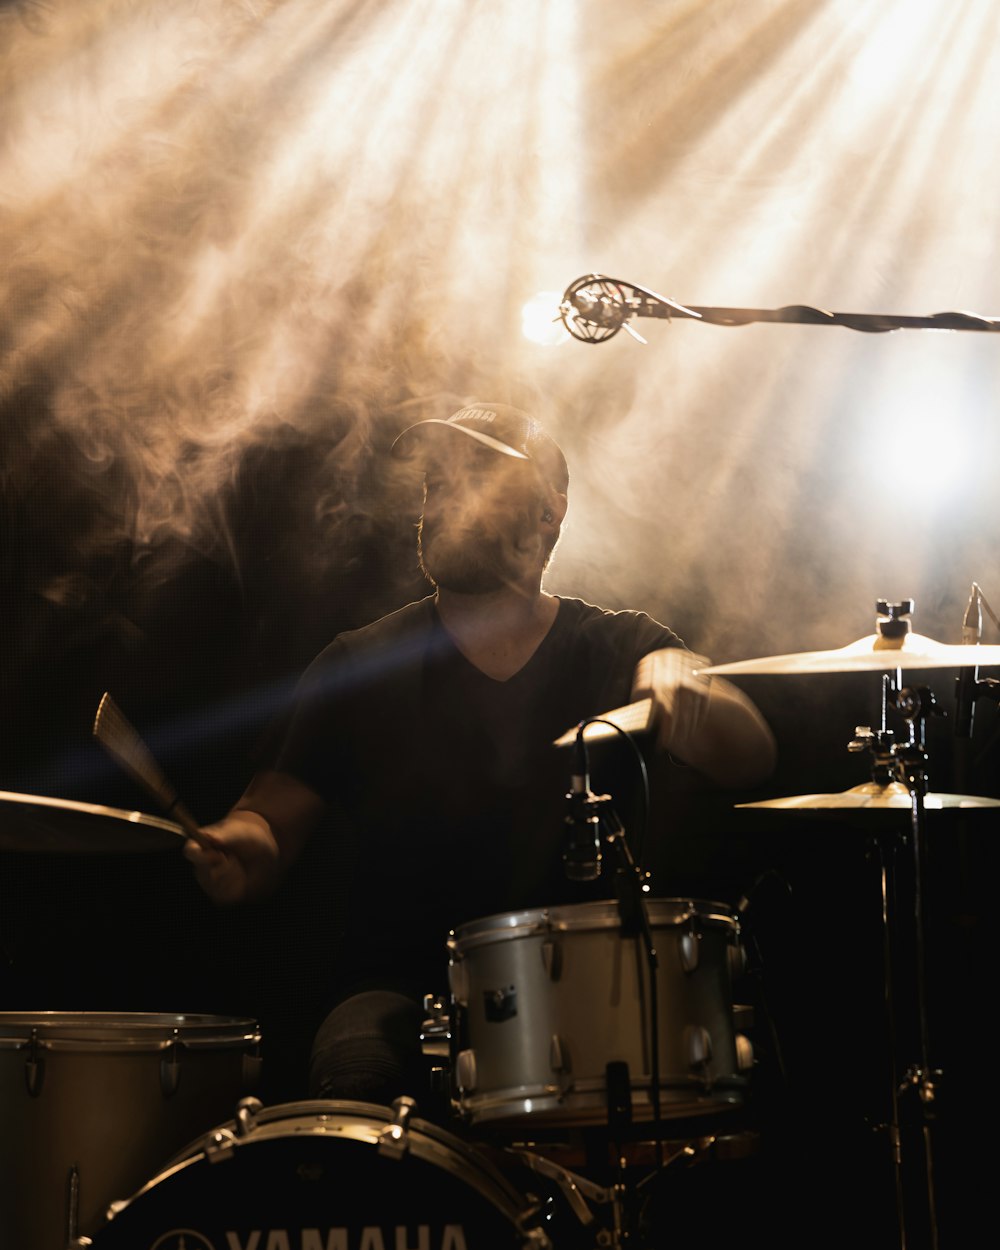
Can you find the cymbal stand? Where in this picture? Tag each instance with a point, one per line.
(906, 762)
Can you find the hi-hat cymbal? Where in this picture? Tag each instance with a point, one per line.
(871, 796)
(872, 654)
(31, 822)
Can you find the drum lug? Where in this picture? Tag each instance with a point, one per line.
(737, 961)
(699, 1046)
(246, 1115)
(34, 1066)
(219, 1145)
(465, 1069)
(458, 982)
(394, 1140)
(170, 1068)
(744, 1053)
(688, 948)
(552, 959)
(558, 1061)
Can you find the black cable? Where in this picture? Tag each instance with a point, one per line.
(643, 777)
(630, 866)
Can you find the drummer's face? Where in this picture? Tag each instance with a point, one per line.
(479, 530)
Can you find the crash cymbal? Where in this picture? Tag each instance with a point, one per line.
(871, 796)
(872, 654)
(31, 822)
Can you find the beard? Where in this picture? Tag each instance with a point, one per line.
(474, 562)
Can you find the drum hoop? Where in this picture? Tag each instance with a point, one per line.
(117, 1031)
(592, 1087)
(378, 1118)
(584, 917)
(447, 1151)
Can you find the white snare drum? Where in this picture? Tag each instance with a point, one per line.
(321, 1174)
(92, 1103)
(544, 1000)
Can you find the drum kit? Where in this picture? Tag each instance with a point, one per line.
(561, 1041)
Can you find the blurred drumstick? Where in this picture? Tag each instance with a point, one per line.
(633, 718)
(123, 744)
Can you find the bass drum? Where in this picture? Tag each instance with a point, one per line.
(93, 1103)
(319, 1175)
(549, 1004)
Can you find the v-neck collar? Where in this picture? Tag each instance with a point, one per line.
(543, 646)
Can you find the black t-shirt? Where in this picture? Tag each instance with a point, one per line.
(448, 779)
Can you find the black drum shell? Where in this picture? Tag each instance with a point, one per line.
(312, 1174)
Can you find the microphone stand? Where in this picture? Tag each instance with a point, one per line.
(631, 888)
(595, 307)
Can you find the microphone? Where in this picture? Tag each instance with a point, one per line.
(965, 688)
(582, 853)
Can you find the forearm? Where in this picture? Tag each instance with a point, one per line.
(732, 744)
(288, 809)
(245, 865)
(255, 844)
(705, 721)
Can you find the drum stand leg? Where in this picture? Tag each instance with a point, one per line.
(914, 1185)
(618, 1231)
(578, 1191)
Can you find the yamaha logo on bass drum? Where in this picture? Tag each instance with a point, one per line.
(368, 1237)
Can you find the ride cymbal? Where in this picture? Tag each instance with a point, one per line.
(31, 822)
(872, 654)
(870, 796)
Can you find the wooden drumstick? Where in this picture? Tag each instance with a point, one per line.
(121, 741)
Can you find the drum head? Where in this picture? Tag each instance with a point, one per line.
(311, 1175)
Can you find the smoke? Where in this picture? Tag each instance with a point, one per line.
(244, 244)
(225, 222)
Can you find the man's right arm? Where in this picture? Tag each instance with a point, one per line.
(253, 847)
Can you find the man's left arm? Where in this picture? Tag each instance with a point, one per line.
(705, 722)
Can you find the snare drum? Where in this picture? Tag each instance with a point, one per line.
(320, 1174)
(93, 1103)
(543, 1001)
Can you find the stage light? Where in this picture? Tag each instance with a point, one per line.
(919, 452)
(540, 320)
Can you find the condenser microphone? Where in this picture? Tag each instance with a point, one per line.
(582, 850)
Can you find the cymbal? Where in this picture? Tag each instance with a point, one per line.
(32, 822)
(872, 654)
(871, 796)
